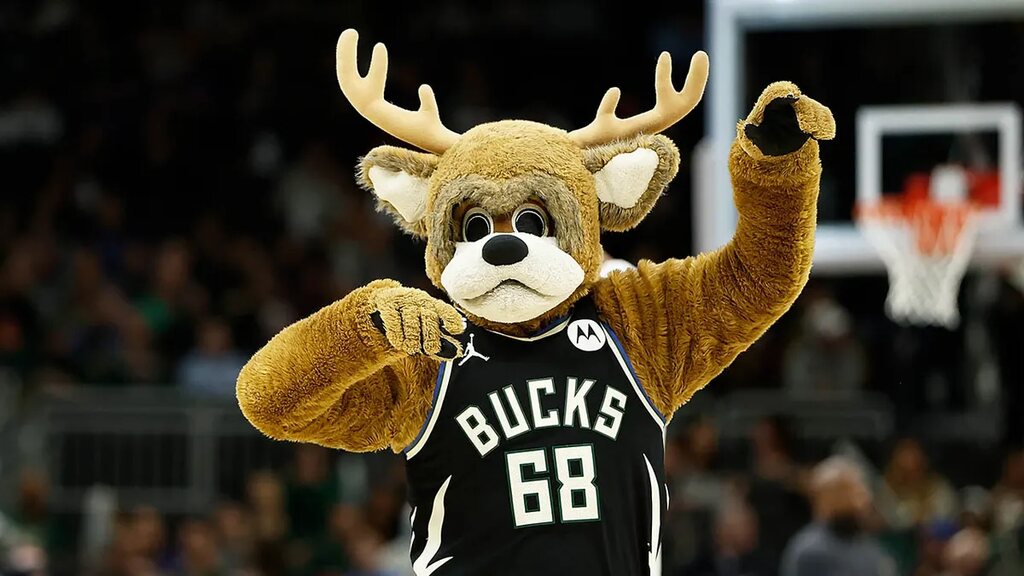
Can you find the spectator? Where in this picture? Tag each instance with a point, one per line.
(25, 560)
(212, 367)
(911, 493)
(200, 555)
(364, 548)
(19, 319)
(835, 543)
(976, 508)
(267, 503)
(330, 554)
(235, 535)
(697, 487)
(150, 535)
(310, 194)
(124, 556)
(8, 538)
(1008, 518)
(777, 485)
(31, 520)
(735, 550)
(700, 482)
(1008, 494)
(967, 554)
(312, 491)
(933, 538)
(172, 294)
(825, 358)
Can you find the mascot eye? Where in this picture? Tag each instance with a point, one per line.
(476, 224)
(530, 220)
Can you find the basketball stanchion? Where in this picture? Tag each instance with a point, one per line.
(1017, 274)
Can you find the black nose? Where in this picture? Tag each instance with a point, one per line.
(504, 249)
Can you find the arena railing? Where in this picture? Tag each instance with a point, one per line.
(864, 416)
(159, 447)
(165, 448)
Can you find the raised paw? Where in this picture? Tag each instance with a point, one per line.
(783, 120)
(417, 323)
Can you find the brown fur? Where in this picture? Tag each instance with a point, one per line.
(683, 321)
(334, 379)
(413, 320)
(418, 164)
(616, 218)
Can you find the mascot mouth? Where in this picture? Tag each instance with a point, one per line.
(510, 301)
(508, 287)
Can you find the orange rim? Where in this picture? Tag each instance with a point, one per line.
(937, 226)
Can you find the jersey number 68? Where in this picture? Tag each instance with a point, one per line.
(529, 484)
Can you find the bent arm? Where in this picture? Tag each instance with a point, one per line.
(333, 379)
(684, 321)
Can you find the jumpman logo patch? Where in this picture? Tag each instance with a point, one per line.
(471, 352)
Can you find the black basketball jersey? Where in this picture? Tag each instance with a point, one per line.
(540, 456)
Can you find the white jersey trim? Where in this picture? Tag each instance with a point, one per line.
(654, 553)
(628, 371)
(435, 411)
(423, 565)
(549, 331)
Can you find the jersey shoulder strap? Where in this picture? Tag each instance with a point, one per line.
(585, 321)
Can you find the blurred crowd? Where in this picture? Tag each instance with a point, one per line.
(320, 517)
(768, 513)
(179, 176)
(777, 514)
(178, 186)
(160, 220)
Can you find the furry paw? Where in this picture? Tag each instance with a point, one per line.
(417, 323)
(783, 120)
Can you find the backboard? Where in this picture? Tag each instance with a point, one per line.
(840, 247)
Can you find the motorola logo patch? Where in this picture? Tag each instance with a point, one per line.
(586, 335)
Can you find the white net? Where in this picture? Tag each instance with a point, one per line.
(926, 251)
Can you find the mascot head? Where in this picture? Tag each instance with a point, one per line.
(512, 211)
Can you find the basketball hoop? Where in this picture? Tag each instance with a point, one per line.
(926, 245)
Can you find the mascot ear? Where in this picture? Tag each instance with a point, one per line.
(629, 176)
(400, 179)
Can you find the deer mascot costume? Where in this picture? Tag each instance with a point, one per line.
(531, 408)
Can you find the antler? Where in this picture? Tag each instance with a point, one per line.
(422, 128)
(670, 107)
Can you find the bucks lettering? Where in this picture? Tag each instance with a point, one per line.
(508, 413)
